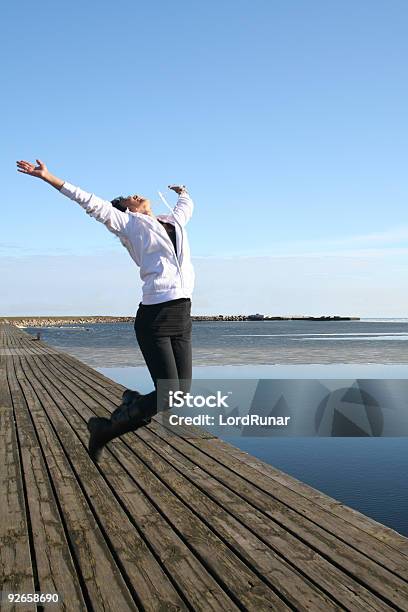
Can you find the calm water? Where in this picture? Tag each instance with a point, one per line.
(248, 342)
(369, 474)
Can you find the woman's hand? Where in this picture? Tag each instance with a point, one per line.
(40, 171)
(178, 188)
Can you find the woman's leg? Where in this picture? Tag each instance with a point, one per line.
(182, 351)
(158, 355)
(160, 359)
(167, 357)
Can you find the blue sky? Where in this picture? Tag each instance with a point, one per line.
(287, 120)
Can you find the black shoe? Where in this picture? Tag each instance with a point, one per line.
(129, 412)
(104, 430)
(99, 429)
(129, 396)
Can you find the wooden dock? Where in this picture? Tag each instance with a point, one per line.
(167, 521)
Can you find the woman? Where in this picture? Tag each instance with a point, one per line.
(159, 247)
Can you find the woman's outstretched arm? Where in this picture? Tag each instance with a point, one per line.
(101, 210)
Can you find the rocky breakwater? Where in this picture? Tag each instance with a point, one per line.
(60, 321)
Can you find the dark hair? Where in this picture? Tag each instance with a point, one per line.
(118, 203)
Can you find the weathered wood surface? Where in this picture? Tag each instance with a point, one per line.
(170, 519)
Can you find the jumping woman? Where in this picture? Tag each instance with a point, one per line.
(159, 247)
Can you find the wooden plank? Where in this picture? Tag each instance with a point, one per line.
(387, 548)
(201, 590)
(274, 552)
(257, 471)
(342, 587)
(234, 576)
(314, 568)
(105, 586)
(134, 560)
(23, 343)
(366, 571)
(56, 572)
(55, 567)
(16, 572)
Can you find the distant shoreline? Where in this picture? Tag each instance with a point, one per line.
(29, 321)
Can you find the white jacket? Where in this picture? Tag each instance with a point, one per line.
(166, 275)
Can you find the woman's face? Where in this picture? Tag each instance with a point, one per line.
(137, 203)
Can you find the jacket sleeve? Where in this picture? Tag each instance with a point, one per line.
(183, 210)
(101, 210)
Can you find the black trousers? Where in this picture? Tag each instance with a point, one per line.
(163, 332)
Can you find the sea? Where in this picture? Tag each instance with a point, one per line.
(369, 473)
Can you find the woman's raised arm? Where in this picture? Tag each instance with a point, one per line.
(184, 207)
(101, 210)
